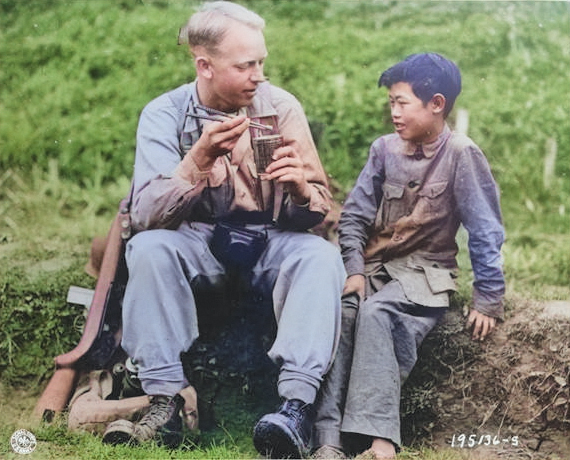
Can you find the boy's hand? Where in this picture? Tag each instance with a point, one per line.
(482, 324)
(355, 283)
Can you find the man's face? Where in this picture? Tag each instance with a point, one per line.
(236, 69)
(413, 120)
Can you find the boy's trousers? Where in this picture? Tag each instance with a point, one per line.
(377, 351)
(303, 274)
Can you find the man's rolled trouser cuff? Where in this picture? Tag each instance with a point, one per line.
(294, 385)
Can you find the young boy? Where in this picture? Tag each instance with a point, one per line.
(397, 236)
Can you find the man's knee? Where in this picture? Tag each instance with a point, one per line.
(320, 252)
(159, 249)
(147, 245)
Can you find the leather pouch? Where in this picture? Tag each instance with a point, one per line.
(237, 247)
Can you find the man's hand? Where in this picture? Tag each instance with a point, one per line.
(217, 139)
(355, 283)
(482, 324)
(287, 168)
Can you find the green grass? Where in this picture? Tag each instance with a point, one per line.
(74, 75)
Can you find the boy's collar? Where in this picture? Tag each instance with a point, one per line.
(430, 148)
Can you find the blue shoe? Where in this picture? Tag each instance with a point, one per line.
(286, 433)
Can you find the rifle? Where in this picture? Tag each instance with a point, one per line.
(101, 337)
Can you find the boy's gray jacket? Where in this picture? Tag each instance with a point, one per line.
(404, 213)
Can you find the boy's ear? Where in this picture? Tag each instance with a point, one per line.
(438, 103)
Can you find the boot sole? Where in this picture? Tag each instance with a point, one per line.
(120, 432)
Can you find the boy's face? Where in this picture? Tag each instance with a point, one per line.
(413, 120)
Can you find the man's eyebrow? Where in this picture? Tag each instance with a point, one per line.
(251, 61)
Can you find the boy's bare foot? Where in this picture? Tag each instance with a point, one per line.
(380, 449)
(383, 448)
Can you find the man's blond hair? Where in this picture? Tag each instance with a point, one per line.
(209, 24)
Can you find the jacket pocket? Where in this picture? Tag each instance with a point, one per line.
(434, 196)
(392, 206)
(439, 279)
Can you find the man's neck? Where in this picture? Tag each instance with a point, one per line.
(207, 98)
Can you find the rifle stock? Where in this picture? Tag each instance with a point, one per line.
(94, 322)
(60, 388)
(55, 397)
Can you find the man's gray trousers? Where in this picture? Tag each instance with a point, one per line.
(302, 273)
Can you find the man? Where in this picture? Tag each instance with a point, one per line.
(197, 193)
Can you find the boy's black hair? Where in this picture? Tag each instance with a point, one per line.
(427, 74)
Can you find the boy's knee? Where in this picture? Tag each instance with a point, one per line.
(372, 313)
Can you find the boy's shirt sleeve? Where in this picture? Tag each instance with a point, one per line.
(477, 197)
(359, 211)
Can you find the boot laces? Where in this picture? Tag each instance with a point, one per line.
(159, 413)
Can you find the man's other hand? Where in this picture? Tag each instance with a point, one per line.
(287, 168)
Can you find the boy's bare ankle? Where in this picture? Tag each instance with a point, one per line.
(383, 448)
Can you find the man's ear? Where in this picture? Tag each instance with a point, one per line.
(438, 103)
(203, 66)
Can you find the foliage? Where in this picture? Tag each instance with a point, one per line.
(33, 322)
(43, 247)
(82, 71)
(75, 77)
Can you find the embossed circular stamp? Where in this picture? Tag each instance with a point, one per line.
(23, 442)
